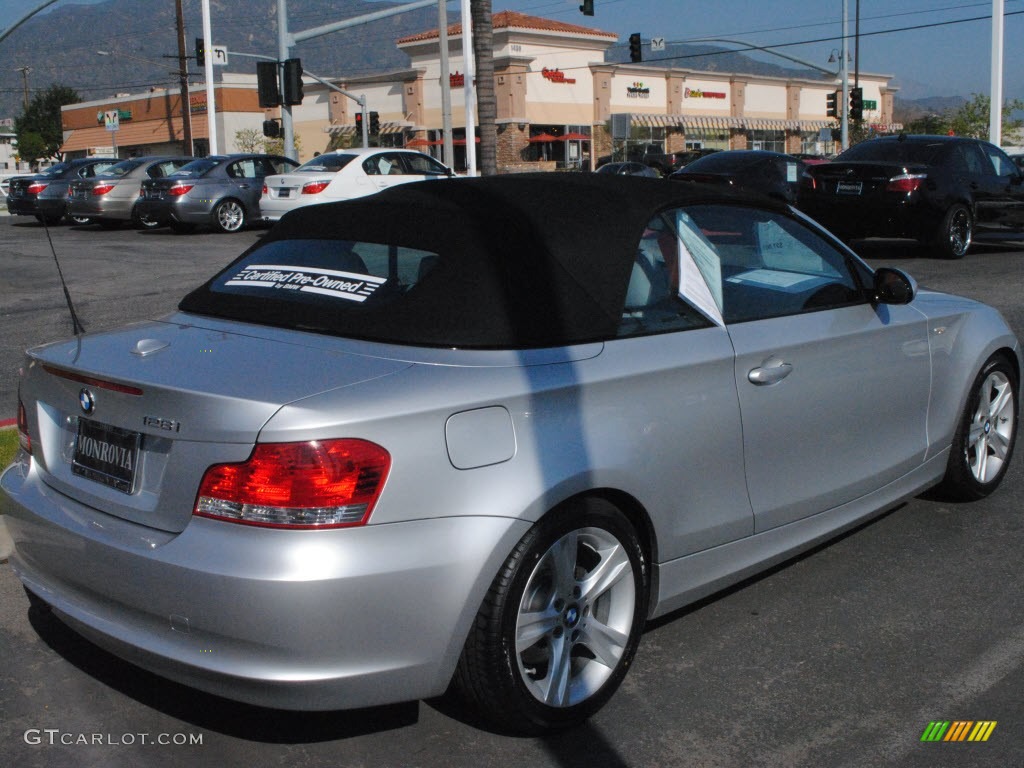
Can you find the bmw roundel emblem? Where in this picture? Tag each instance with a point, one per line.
(87, 401)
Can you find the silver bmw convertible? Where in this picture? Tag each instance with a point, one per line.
(480, 433)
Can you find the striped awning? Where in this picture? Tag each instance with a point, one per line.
(722, 122)
(347, 129)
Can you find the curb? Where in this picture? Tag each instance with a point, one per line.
(6, 544)
(8, 424)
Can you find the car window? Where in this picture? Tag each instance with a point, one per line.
(275, 165)
(242, 169)
(118, 170)
(198, 167)
(329, 163)
(165, 168)
(653, 301)
(383, 165)
(999, 161)
(744, 264)
(423, 165)
(88, 171)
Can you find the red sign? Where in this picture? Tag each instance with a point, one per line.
(457, 80)
(557, 76)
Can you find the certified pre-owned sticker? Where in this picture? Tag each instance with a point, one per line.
(328, 282)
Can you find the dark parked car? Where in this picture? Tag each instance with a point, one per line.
(768, 173)
(45, 195)
(110, 197)
(943, 191)
(221, 191)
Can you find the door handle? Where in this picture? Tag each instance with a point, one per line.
(771, 371)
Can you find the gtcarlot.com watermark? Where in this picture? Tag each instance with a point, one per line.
(53, 737)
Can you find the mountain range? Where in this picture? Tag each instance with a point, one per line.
(68, 46)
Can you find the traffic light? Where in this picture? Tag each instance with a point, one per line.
(272, 129)
(832, 104)
(291, 81)
(200, 52)
(359, 123)
(587, 9)
(856, 103)
(266, 84)
(635, 51)
(374, 123)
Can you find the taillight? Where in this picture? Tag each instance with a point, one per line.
(23, 438)
(317, 484)
(102, 189)
(314, 187)
(36, 187)
(265, 190)
(906, 182)
(179, 189)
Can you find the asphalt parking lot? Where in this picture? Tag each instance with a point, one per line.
(841, 657)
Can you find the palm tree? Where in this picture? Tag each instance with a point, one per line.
(487, 104)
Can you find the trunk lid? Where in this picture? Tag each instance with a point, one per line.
(857, 178)
(128, 421)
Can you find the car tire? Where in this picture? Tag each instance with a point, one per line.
(229, 216)
(79, 220)
(49, 221)
(182, 227)
(109, 223)
(953, 239)
(986, 434)
(573, 590)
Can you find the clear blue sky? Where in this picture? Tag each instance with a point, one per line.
(930, 46)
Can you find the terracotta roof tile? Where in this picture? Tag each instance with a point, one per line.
(514, 20)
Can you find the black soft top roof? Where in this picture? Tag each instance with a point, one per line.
(529, 260)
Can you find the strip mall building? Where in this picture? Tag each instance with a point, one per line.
(558, 102)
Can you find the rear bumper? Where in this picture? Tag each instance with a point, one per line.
(856, 218)
(307, 620)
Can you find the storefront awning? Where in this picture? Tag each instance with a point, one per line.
(347, 129)
(723, 123)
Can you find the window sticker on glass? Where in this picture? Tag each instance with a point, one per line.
(790, 282)
(700, 269)
(791, 173)
(327, 282)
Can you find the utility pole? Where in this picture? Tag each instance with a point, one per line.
(24, 77)
(186, 106)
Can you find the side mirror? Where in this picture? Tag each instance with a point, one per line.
(893, 286)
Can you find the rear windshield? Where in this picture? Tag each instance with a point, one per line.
(323, 272)
(326, 164)
(895, 151)
(119, 169)
(198, 167)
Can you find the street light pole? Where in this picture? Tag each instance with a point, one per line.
(211, 107)
(24, 78)
(845, 74)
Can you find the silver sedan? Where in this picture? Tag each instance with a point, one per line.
(482, 432)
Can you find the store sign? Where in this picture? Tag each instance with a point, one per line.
(556, 76)
(457, 80)
(122, 114)
(697, 93)
(197, 103)
(638, 91)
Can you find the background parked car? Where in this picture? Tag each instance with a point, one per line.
(5, 183)
(942, 191)
(45, 194)
(628, 169)
(221, 191)
(768, 173)
(109, 197)
(346, 174)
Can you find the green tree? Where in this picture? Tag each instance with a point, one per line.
(930, 125)
(972, 118)
(249, 140)
(43, 118)
(31, 146)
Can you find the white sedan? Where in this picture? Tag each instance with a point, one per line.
(345, 174)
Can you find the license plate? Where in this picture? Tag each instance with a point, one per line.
(107, 455)
(284, 193)
(849, 187)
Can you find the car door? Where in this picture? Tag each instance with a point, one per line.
(245, 178)
(833, 390)
(1003, 205)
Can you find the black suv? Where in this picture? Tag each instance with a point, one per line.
(45, 195)
(943, 191)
